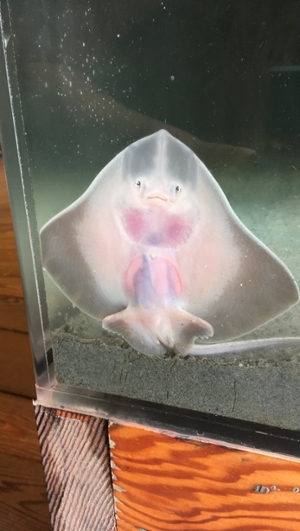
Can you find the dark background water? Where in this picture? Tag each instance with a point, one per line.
(225, 71)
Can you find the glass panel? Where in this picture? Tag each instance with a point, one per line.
(158, 109)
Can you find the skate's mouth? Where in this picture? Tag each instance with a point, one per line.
(158, 197)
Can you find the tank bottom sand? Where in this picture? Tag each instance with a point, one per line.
(259, 386)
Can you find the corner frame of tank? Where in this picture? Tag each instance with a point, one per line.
(190, 424)
(22, 203)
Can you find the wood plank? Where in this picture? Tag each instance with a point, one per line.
(12, 313)
(23, 501)
(11, 286)
(23, 498)
(75, 456)
(9, 266)
(16, 367)
(167, 483)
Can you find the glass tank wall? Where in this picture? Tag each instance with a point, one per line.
(173, 279)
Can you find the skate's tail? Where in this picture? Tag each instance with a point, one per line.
(153, 331)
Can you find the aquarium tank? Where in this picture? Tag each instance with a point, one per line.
(152, 157)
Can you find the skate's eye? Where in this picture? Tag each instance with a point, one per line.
(138, 184)
(177, 189)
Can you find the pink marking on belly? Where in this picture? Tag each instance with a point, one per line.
(135, 264)
(165, 277)
(156, 227)
(152, 278)
(177, 229)
(135, 223)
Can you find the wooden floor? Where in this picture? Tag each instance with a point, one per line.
(23, 503)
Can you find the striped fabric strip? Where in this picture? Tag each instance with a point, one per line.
(75, 456)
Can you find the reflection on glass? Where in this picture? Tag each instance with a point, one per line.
(223, 79)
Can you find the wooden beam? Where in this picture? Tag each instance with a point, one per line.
(164, 483)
